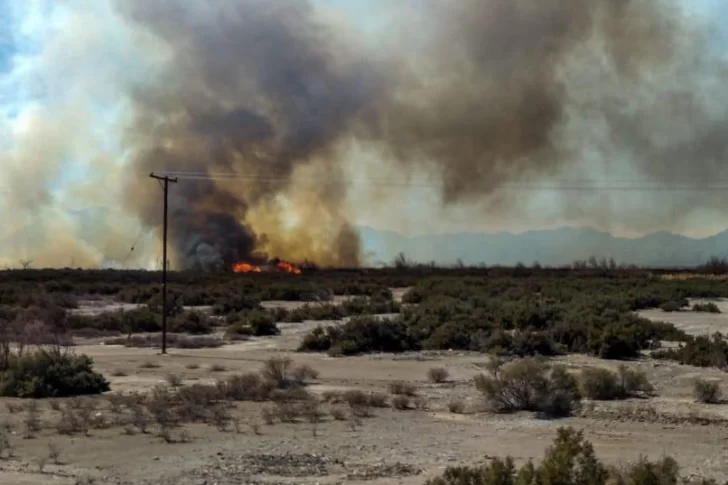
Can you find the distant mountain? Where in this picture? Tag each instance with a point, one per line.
(549, 247)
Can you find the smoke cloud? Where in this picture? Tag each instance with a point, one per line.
(269, 103)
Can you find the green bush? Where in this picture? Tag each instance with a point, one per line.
(699, 351)
(43, 374)
(360, 335)
(673, 306)
(194, 323)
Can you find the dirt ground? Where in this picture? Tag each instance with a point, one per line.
(392, 447)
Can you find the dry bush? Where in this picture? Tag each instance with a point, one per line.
(707, 392)
(245, 387)
(192, 366)
(403, 389)
(604, 385)
(420, 403)
(456, 406)
(221, 417)
(32, 419)
(401, 402)
(529, 385)
(54, 453)
(438, 375)
(54, 404)
(358, 402)
(268, 415)
(378, 400)
(119, 373)
(304, 373)
(338, 413)
(13, 407)
(174, 380)
(287, 412)
(6, 448)
(149, 365)
(217, 368)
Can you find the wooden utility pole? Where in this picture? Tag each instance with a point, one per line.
(164, 181)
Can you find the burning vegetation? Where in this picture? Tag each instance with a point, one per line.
(276, 266)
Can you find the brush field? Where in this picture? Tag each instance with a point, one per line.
(355, 376)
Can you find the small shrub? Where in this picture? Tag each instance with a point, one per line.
(192, 366)
(339, 414)
(604, 385)
(279, 370)
(707, 392)
(709, 307)
(217, 368)
(149, 365)
(403, 389)
(174, 380)
(401, 402)
(438, 375)
(303, 373)
(456, 406)
(673, 306)
(600, 384)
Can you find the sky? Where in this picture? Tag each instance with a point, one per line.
(36, 86)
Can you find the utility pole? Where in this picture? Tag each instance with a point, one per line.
(164, 182)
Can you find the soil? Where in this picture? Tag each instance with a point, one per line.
(392, 447)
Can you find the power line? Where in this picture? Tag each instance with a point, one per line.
(565, 185)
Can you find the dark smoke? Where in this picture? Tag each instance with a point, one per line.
(482, 93)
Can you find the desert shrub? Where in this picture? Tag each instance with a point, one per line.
(42, 374)
(284, 374)
(438, 375)
(699, 351)
(456, 406)
(673, 306)
(235, 305)
(570, 460)
(173, 341)
(605, 385)
(360, 335)
(529, 385)
(709, 307)
(245, 387)
(707, 392)
(191, 322)
(400, 388)
(401, 402)
(257, 323)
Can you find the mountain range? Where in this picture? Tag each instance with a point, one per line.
(554, 247)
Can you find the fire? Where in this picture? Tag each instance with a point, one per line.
(287, 267)
(280, 266)
(246, 268)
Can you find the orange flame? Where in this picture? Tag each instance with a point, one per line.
(287, 267)
(246, 268)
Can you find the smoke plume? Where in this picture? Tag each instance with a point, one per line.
(260, 106)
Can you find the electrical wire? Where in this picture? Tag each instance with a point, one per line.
(565, 185)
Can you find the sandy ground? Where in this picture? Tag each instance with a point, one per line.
(402, 447)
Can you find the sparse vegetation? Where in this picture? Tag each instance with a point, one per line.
(569, 461)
